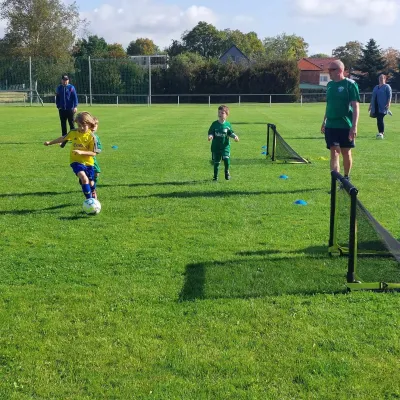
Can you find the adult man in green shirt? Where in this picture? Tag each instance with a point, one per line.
(341, 117)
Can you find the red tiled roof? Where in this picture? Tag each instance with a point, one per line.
(323, 63)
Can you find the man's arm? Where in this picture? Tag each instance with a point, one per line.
(323, 124)
(356, 111)
(75, 105)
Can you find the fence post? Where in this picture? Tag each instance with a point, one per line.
(178, 99)
(149, 58)
(239, 99)
(209, 101)
(270, 100)
(117, 101)
(301, 100)
(30, 79)
(90, 81)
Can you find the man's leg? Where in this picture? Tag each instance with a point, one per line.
(64, 116)
(335, 153)
(347, 161)
(63, 122)
(70, 117)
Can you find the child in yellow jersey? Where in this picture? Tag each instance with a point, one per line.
(83, 151)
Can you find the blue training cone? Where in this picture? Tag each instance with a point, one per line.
(263, 152)
(300, 202)
(114, 147)
(283, 177)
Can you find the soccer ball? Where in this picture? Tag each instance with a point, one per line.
(91, 206)
(379, 136)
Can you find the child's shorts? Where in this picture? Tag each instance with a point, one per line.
(217, 155)
(87, 169)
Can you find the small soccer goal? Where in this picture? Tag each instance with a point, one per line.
(20, 97)
(373, 253)
(279, 150)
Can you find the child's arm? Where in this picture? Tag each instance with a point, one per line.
(85, 153)
(55, 141)
(233, 136)
(210, 133)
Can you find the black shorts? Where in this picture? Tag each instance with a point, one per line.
(338, 137)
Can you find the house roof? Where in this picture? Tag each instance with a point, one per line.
(237, 48)
(306, 65)
(321, 63)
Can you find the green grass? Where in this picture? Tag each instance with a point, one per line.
(184, 288)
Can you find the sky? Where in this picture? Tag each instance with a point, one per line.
(324, 24)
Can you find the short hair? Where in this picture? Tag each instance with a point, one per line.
(95, 119)
(225, 108)
(85, 118)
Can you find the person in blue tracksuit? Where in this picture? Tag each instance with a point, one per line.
(67, 105)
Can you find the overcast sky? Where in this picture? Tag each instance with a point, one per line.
(324, 24)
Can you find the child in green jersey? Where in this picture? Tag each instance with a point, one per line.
(220, 131)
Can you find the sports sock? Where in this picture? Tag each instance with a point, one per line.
(86, 191)
(227, 163)
(216, 167)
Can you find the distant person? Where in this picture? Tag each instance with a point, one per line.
(380, 104)
(83, 151)
(341, 117)
(67, 103)
(220, 131)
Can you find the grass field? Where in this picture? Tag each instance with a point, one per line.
(184, 288)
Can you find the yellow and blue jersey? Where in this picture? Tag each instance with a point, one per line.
(82, 141)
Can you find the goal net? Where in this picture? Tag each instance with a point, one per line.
(373, 253)
(279, 150)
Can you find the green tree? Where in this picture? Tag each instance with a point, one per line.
(204, 39)
(285, 47)
(248, 43)
(93, 46)
(175, 48)
(320, 55)
(349, 54)
(142, 47)
(44, 28)
(392, 58)
(115, 50)
(369, 66)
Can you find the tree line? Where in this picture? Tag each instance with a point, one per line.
(48, 31)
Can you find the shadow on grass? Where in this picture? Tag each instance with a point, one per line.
(19, 143)
(312, 250)
(250, 161)
(250, 123)
(76, 217)
(261, 277)
(39, 194)
(320, 137)
(223, 193)
(32, 211)
(178, 183)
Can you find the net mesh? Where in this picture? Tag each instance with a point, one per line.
(378, 252)
(279, 150)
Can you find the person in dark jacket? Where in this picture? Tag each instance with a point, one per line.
(67, 103)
